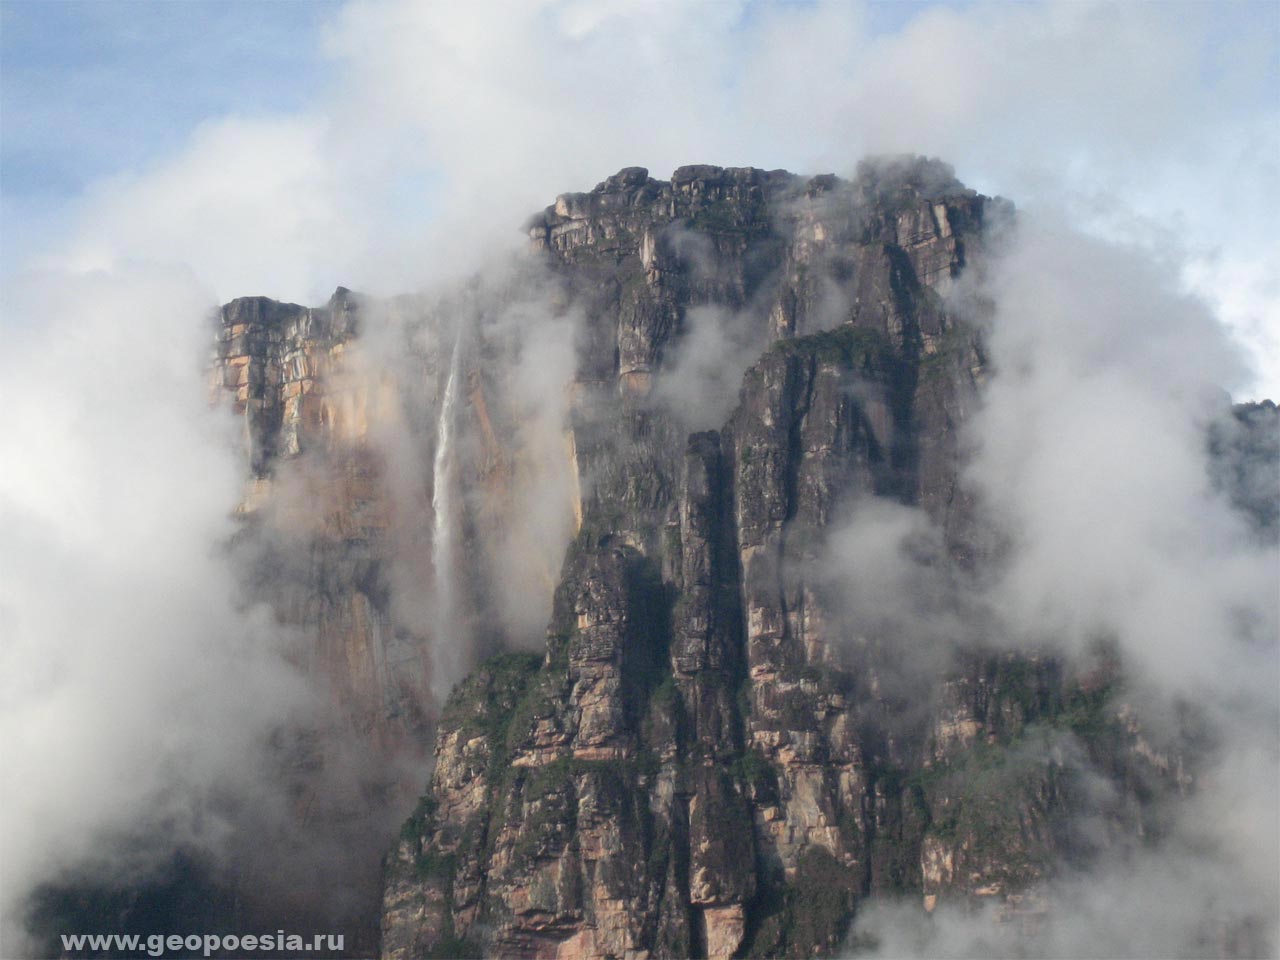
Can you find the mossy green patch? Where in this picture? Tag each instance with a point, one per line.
(849, 346)
(420, 823)
(484, 703)
(730, 217)
(1002, 801)
(752, 769)
(808, 916)
(433, 865)
(1088, 714)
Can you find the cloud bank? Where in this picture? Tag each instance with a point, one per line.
(439, 122)
(441, 127)
(1090, 458)
(136, 691)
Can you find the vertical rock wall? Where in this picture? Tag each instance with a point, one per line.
(707, 757)
(705, 762)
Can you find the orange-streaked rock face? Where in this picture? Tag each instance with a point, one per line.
(713, 757)
(319, 491)
(709, 753)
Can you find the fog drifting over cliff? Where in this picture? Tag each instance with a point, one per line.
(1089, 460)
(135, 682)
(138, 695)
(441, 121)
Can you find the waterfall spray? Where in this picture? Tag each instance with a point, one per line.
(449, 646)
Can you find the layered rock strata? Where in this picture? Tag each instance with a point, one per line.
(709, 760)
(711, 752)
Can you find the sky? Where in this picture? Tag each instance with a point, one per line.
(89, 90)
(286, 147)
(159, 158)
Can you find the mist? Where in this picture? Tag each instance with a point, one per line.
(145, 695)
(442, 128)
(138, 693)
(1090, 459)
(514, 330)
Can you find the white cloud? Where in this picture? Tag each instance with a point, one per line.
(1091, 453)
(442, 128)
(1090, 457)
(134, 689)
(251, 206)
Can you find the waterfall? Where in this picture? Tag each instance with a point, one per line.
(449, 647)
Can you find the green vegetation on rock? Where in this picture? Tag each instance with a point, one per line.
(808, 916)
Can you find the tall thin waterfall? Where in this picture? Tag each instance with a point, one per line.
(450, 646)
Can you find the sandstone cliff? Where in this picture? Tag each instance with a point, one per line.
(709, 753)
(706, 761)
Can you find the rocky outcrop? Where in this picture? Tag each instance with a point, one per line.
(1245, 447)
(316, 537)
(708, 761)
(710, 754)
(706, 745)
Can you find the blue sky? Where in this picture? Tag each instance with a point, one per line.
(157, 158)
(93, 88)
(90, 88)
(284, 147)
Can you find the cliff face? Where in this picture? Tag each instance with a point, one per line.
(317, 550)
(707, 761)
(711, 754)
